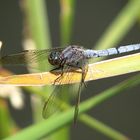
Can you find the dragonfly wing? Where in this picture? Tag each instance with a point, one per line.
(50, 105)
(84, 69)
(54, 102)
(76, 111)
(28, 56)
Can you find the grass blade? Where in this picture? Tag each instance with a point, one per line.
(103, 69)
(50, 125)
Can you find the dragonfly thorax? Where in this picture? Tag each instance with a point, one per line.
(54, 58)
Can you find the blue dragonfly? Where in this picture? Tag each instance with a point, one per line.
(72, 56)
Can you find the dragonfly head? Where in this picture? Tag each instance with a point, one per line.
(54, 58)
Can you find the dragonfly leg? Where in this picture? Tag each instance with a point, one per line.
(60, 67)
(54, 69)
(58, 78)
(84, 72)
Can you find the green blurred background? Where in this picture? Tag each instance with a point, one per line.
(91, 19)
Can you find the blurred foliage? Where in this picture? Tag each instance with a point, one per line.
(38, 25)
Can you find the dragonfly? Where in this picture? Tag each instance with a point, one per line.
(73, 56)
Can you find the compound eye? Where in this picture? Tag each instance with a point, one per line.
(50, 58)
(54, 58)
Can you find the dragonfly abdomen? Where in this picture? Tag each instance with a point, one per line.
(111, 51)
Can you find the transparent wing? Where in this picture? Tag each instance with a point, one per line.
(53, 103)
(83, 74)
(27, 57)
